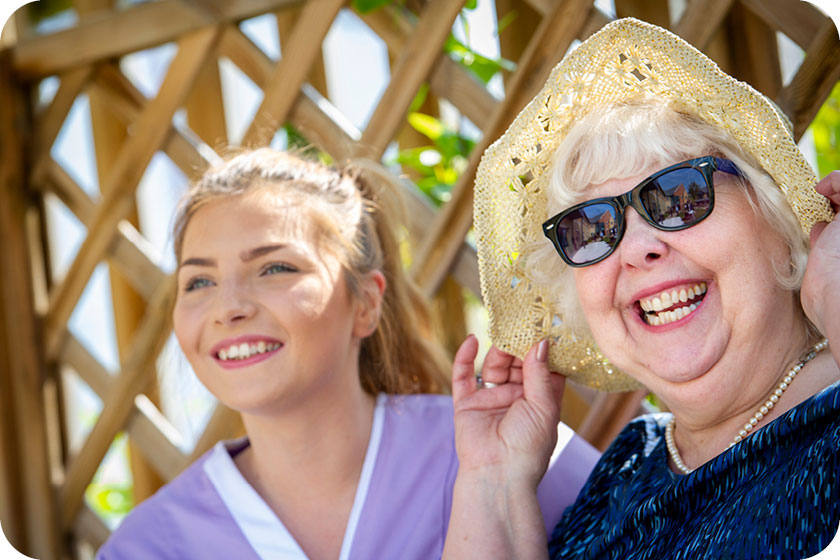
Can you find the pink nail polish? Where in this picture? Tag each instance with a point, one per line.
(542, 351)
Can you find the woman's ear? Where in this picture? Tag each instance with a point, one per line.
(369, 305)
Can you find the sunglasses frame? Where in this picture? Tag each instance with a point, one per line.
(706, 165)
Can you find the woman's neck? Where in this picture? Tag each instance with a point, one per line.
(321, 445)
(701, 435)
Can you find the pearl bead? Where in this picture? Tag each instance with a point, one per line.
(774, 398)
(759, 415)
(742, 433)
(763, 410)
(778, 392)
(770, 404)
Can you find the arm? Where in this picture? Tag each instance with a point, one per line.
(504, 436)
(821, 285)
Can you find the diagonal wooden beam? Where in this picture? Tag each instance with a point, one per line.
(813, 82)
(129, 250)
(282, 87)
(110, 35)
(415, 63)
(136, 373)
(152, 128)
(191, 154)
(701, 20)
(448, 79)
(49, 123)
(799, 20)
(550, 42)
(146, 425)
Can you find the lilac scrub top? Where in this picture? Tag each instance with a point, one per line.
(401, 508)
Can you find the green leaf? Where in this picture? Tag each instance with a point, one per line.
(426, 125)
(366, 6)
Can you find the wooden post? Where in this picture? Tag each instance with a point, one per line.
(36, 529)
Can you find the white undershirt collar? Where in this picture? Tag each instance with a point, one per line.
(262, 528)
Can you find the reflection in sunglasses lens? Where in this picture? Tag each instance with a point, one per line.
(677, 199)
(588, 233)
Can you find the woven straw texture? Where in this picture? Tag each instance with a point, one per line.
(627, 58)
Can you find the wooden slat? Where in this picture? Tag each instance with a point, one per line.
(129, 250)
(225, 423)
(90, 528)
(152, 128)
(701, 20)
(551, 41)
(286, 22)
(184, 147)
(50, 121)
(205, 106)
(651, 11)
(120, 32)
(134, 255)
(799, 20)
(415, 64)
(609, 414)
(813, 82)
(25, 370)
(146, 425)
(282, 87)
(134, 377)
(448, 80)
(757, 60)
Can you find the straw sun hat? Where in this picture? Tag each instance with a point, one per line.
(626, 59)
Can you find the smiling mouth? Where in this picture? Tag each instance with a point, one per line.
(671, 305)
(243, 351)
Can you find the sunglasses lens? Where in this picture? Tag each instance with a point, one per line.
(678, 199)
(588, 233)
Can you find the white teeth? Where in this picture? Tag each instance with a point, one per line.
(665, 317)
(655, 306)
(245, 350)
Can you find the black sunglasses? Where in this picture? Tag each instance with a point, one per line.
(672, 199)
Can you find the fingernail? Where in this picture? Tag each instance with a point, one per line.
(542, 351)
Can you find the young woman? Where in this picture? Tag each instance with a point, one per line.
(293, 309)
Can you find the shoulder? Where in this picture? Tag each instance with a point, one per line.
(174, 520)
(430, 413)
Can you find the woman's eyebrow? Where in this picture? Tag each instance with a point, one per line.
(198, 261)
(257, 252)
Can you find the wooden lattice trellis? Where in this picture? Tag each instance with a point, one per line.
(41, 487)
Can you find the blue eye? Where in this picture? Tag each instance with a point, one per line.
(277, 268)
(196, 283)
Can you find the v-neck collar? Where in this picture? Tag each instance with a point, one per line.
(261, 527)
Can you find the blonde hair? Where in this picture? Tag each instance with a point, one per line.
(616, 142)
(402, 355)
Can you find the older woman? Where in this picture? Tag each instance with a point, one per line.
(677, 209)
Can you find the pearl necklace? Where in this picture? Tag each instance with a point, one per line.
(756, 418)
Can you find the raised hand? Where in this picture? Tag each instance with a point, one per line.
(821, 286)
(511, 426)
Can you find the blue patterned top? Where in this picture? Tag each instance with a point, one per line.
(774, 495)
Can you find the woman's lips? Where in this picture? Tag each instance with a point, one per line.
(244, 352)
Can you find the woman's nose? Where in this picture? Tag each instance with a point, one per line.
(642, 244)
(232, 305)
